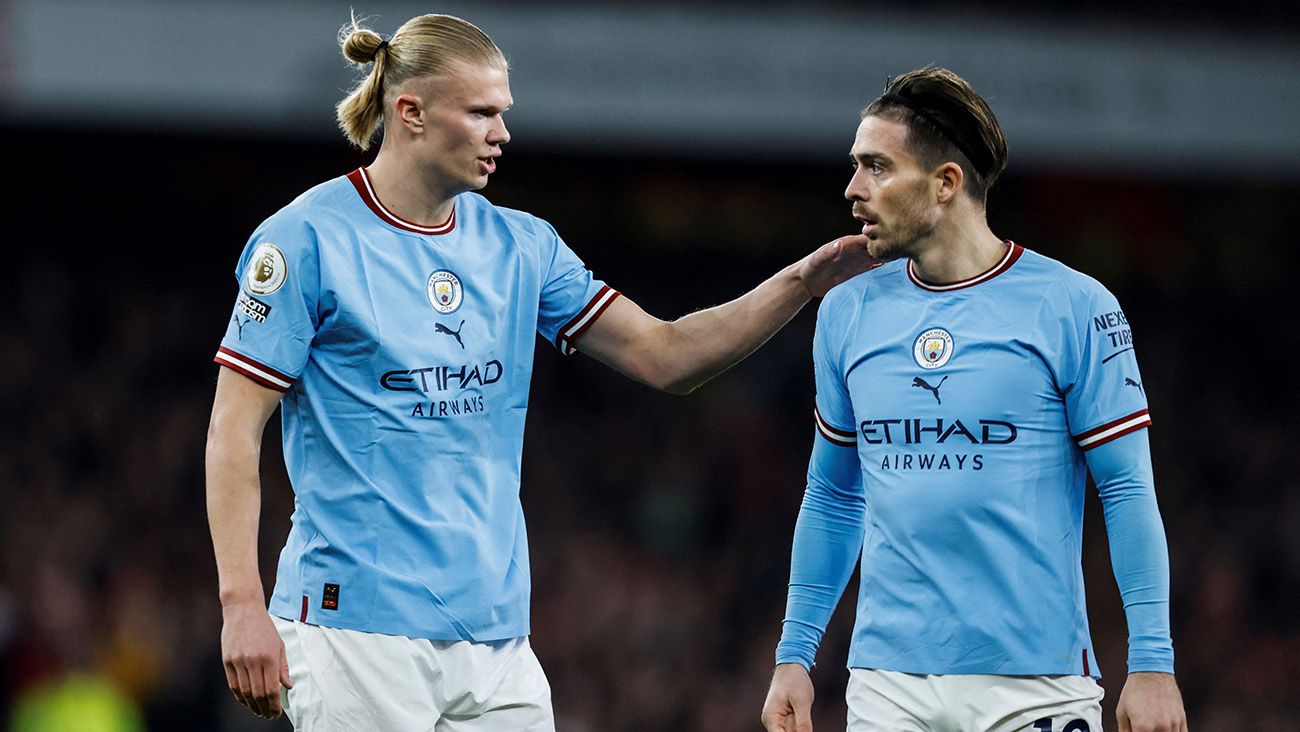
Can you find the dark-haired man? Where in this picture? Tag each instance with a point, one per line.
(964, 391)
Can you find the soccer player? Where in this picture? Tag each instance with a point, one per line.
(391, 313)
(964, 391)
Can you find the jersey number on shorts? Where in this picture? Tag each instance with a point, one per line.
(1045, 725)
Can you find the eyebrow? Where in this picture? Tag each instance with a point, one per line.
(870, 157)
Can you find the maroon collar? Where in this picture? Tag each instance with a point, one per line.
(1014, 251)
(361, 181)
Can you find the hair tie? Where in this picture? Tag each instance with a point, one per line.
(981, 162)
(382, 45)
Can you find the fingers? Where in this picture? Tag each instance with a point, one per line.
(773, 718)
(271, 683)
(232, 682)
(257, 676)
(256, 685)
(802, 720)
(788, 715)
(241, 687)
(284, 669)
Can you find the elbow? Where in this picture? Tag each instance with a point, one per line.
(218, 433)
(667, 361)
(225, 440)
(677, 382)
(679, 387)
(664, 375)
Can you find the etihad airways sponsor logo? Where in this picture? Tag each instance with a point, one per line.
(919, 431)
(442, 378)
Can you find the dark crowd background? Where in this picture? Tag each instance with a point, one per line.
(660, 526)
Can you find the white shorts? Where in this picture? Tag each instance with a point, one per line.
(889, 701)
(345, 680)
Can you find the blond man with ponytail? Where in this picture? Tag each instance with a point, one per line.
(390, 313)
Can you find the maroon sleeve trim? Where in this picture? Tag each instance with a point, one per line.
(1113, 430)
(255, 370)
(574, 329)
(836, 436)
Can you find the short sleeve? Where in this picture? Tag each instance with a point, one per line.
(833, 412)
(274, 321)
(571, 297)
(1105, 399)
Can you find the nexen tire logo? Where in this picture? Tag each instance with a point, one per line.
(914, 431)
(442, 378)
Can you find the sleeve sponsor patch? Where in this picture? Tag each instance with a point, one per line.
(1115, 335)
(252, 307)
(267, 269)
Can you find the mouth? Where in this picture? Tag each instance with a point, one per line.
(488, 164)
(869, 225)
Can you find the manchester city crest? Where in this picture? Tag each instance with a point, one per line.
(933, 348)
(445, 291)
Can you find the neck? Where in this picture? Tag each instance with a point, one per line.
(406, 191)
(961, 247)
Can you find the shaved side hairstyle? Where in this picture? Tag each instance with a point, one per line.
(947, 121)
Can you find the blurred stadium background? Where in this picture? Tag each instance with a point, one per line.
(685, 151)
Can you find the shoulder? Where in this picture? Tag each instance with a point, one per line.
(297, 223)
(848, 297)
(842, 307)
(1061, 283)
(520, 224)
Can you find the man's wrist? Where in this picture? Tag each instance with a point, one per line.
(795, 273)
(231, 599)
(1170, 674)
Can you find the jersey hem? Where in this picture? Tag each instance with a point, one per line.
(592, 311)
(500, 633)
(940, 670)
(253, 369)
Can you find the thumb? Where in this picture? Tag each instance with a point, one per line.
(284, 669)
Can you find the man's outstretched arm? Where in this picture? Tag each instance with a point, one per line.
(680, 355)
(251, 649)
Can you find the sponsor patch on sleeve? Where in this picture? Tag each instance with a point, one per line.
(252, 307)
(267, 269)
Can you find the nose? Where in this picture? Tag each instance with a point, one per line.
(857, 188)
(499, 135)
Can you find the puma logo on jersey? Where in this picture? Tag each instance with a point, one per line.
(918, 381)
(1130, 382)
(439, 327)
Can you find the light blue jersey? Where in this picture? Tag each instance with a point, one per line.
(956, 425)
(405, 354)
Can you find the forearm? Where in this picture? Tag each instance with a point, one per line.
(1139, 554)
(827, 541)
(234, 507)
(691, 350)
(681, 355)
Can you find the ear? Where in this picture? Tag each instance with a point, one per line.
(948, 180)
(409, 112)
